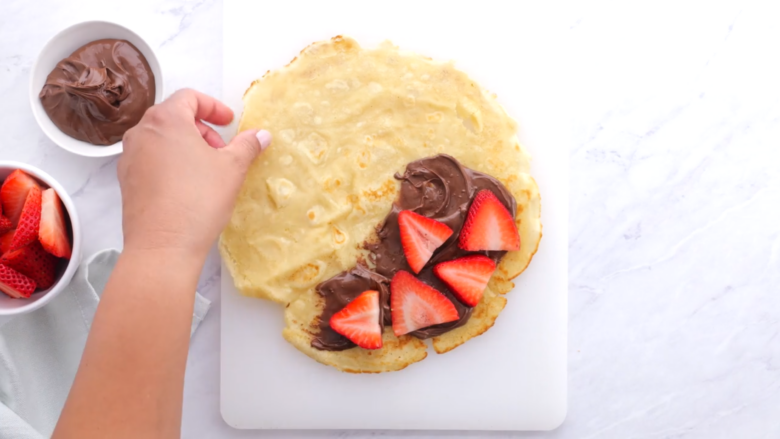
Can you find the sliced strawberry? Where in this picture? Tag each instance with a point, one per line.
(15, 284)
(27, 230)
(33, 262)
(415, 305)
(5, 241)
(53, 233)
(5, 224)
(467, 277)
(13, 194)
(359, 321)
(420, 237)
(488, 226)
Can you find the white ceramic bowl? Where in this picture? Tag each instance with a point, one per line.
(9, 306)
(62, 45)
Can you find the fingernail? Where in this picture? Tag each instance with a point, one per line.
(264, 137)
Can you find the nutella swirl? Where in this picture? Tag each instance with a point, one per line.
(100, 91)
(436, 187)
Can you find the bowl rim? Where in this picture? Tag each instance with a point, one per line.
(75, 259)
(99, 151)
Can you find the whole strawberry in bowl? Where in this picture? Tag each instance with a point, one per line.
(40, 244)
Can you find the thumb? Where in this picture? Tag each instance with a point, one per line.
(247, 145)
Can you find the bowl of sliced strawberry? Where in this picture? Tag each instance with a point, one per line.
(40, 244)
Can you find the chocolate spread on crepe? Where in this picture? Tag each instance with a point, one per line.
(100, 91)
(436, 187)
(339, 291)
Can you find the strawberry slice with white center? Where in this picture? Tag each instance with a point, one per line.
(33, 262)
(420, 237)
(416, 305)
(359, 321)
(489, 226)
(15, 284)
(13, 194)
(467, 277)
(29, 221)
(52, 233)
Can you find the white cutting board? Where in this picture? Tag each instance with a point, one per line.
(511, 378)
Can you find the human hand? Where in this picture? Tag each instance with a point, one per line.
(179, 180)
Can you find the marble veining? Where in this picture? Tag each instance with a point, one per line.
(674, 261)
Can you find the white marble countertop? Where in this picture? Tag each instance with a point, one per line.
(674, 260)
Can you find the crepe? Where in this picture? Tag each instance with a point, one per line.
(344, 121)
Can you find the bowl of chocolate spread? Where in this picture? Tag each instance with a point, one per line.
(92, 82)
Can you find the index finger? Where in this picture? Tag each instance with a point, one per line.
(203, 107)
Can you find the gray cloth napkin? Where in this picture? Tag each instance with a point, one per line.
(40, 351)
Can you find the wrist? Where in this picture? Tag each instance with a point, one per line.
(166, 244)
(186, 261)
